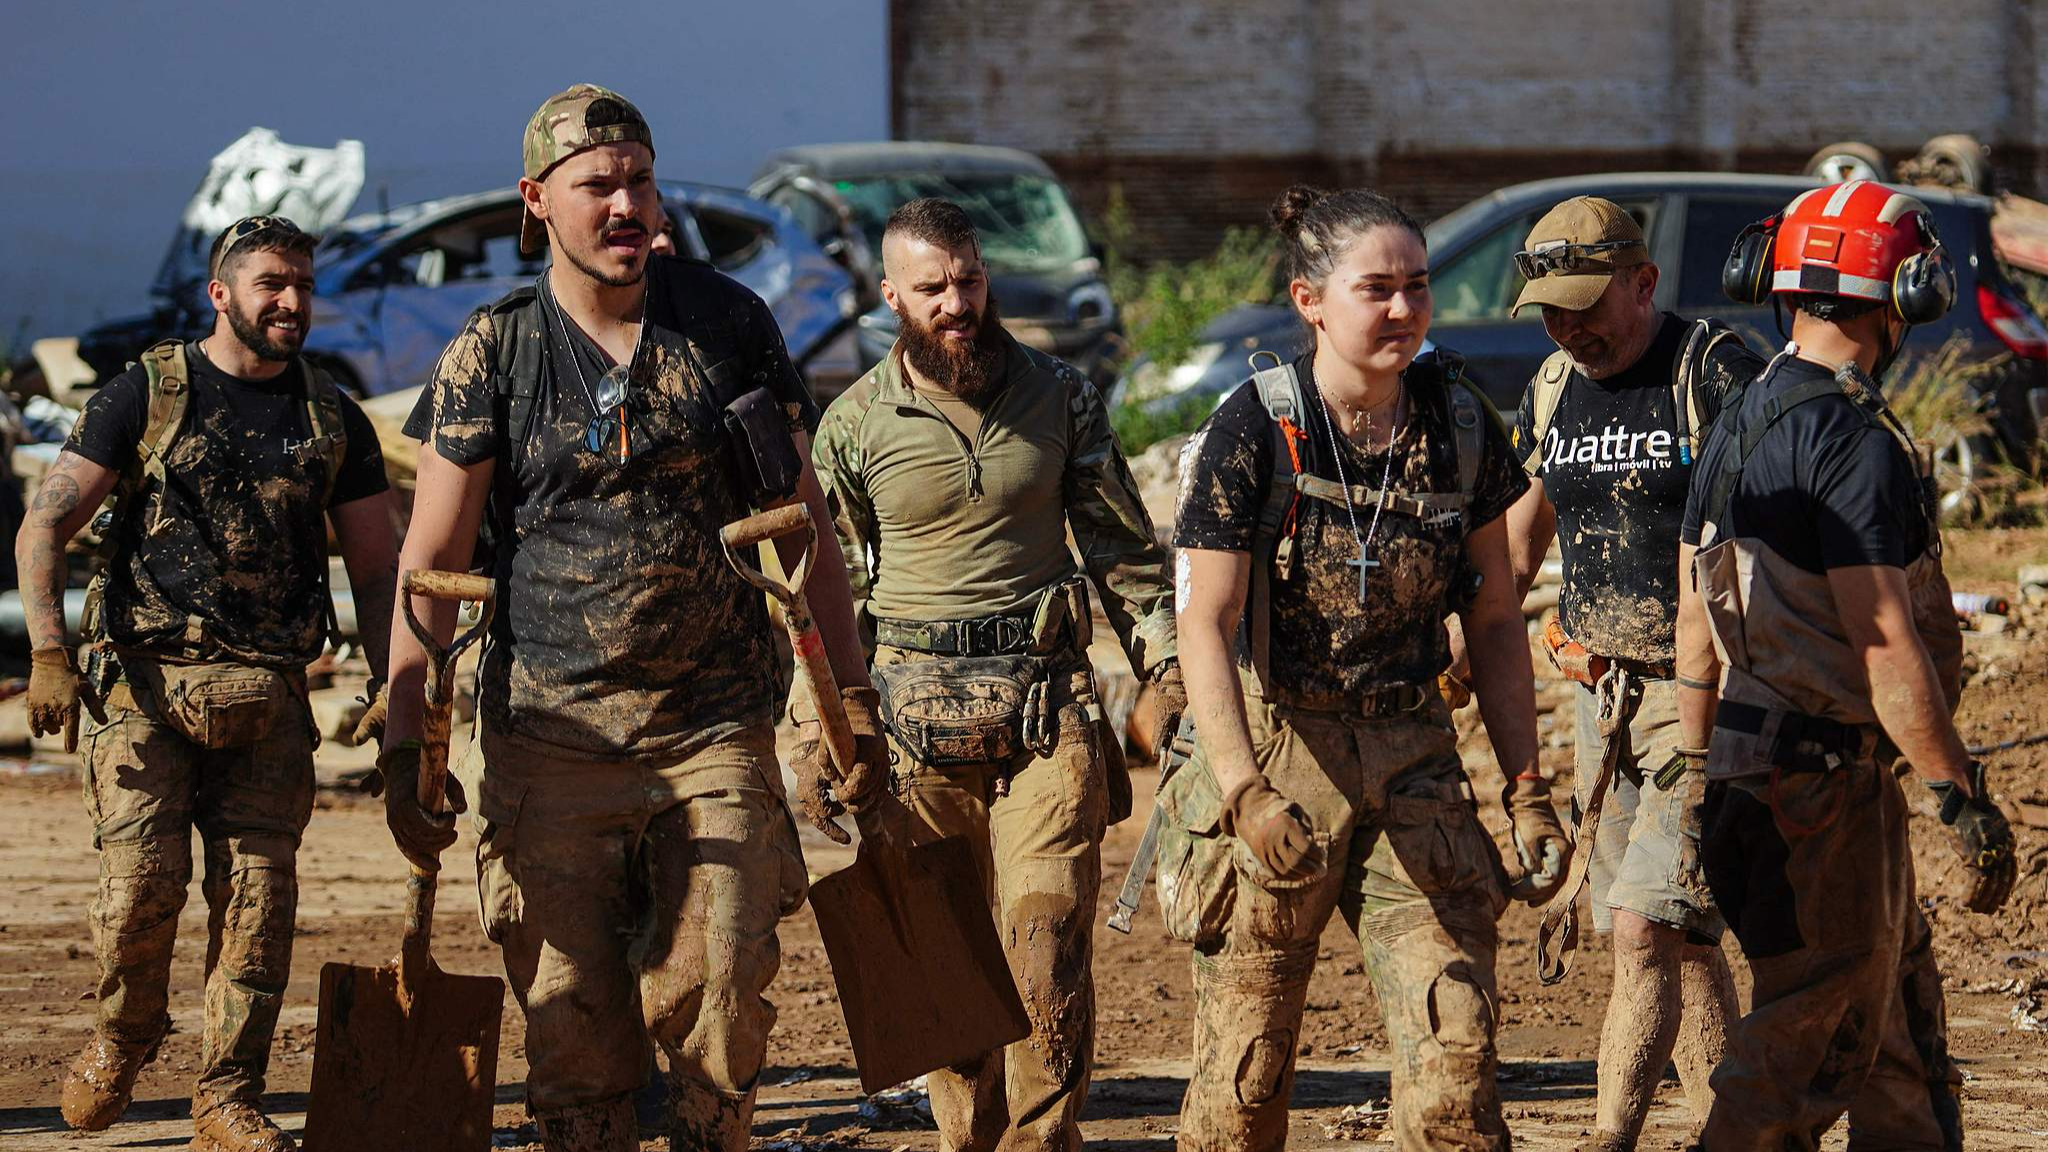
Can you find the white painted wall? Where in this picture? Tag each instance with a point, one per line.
(114, 107)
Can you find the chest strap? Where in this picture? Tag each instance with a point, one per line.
(1429, 507)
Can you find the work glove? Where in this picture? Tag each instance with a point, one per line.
(54, 688)
(823, 800)
(1981, 836)
(1169, 704)
(1538, 836)
(1275, 828)
(1453, 688)
(371, 726)
(421, 836)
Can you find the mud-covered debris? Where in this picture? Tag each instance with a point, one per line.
(907, 1105)
(1359, 1122)
(797, 1076)
(798, 1140)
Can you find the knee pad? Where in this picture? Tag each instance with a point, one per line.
(1263, 1065)
(1460, 1013)
(253, 881)
(142, 883)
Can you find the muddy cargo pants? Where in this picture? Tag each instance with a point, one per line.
(1815, 876)
(1419, 884)
(1036, 825)
(147, 787)
(636, 901)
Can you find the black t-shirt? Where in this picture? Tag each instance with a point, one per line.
(623, 629)
(1322, 639)
(1611, 465)
(242, 539)
(1827, 486)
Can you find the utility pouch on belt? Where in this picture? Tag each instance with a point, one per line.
(955, 710)
(214, 705)
(758, 430)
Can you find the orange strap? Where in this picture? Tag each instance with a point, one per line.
(1294, 437)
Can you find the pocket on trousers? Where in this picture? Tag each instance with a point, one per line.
(219, 706)
(1437, 842)
(1197, 883)
(498, 903)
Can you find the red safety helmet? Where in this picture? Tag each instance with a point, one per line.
(1860, 239)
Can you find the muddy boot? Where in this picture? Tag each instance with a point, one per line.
(606, 1126)
(100, 1082)
(1605, 1141)
(233, 1124)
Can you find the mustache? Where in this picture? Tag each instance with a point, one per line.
(611, 230)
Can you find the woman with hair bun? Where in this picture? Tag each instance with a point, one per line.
(1333, 512)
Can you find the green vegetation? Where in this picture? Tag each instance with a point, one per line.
(1935, 398)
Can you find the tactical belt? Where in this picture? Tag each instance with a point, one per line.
(1379, 701)
(982, 636)
(1798, 742)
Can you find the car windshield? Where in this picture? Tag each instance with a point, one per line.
(1025, 221)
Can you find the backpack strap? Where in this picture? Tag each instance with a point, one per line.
(1706, 335)
(1468, 429)
(519, 377)
(168, 383)
(323, 415)
(1279, 390)
(1548, 389)
(1748, 435)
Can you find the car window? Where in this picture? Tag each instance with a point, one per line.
(731, 240)
(479, 246)
(1480, 282)
(1711, 224)
(1026, 222)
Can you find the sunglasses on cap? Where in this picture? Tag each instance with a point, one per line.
(1563, 257)
(246, 227)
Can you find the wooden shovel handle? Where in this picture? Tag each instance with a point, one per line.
(766, 525)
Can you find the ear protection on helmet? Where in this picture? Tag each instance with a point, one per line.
(1746, 277)
(1924, 286)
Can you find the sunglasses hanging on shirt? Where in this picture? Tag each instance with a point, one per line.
(610, 431)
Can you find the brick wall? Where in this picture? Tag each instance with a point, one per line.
(1200, 111)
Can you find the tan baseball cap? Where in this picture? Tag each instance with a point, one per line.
(580, 117)
(1574, 251)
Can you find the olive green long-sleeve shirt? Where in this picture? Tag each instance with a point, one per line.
(936, 526)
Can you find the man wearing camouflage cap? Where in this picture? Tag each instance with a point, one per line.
(1607, 430)
(635, 850)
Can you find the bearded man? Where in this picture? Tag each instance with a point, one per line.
(956, 468)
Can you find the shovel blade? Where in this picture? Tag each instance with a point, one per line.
(391, 1075)
(922, 977)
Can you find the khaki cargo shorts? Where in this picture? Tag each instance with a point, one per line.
(1646, 852)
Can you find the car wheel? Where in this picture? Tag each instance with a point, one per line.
(1848, 160)
(1962, 465)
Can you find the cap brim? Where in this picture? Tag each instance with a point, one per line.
(533, 235)
(1574, 293)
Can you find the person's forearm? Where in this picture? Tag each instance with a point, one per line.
(1532, 525)
(1208, 669)
(40, 565)
(1907, 695)
(405, 660)
(1697, 665)
(1498, 643)
(373, 599)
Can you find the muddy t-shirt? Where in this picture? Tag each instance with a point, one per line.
(622, 630)
(1610, 464)
(1322, 640)
(241, 539)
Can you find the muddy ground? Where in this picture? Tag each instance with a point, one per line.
(1996, 969)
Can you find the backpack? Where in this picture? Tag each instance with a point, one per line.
(1280, 391)
(1548, 390)
(169, 381)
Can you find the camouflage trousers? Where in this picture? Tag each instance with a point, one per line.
(147, 787)
(1815, 876)
(635, 901)
(1036, 826)
(1419, 883)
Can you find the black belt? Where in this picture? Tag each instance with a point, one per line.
(1801, 742)
(982, 636)
(1378, 701)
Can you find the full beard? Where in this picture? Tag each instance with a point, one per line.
(969, 371)
(254, 333)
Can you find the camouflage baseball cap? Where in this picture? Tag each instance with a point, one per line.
(579, 117)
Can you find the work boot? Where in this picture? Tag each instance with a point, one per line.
(606, 1126)
(101, 1081)
(232, 1124)
(1605, 1141)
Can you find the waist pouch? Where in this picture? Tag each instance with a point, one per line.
(956, 710)
(214, 705)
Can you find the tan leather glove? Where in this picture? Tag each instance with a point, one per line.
(54, 687)
(421, 836)
(371, 726)
(1538, 837)
(1273, 827)
(824, 800)
(1169, 704)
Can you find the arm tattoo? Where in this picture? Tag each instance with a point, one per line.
(56, 499)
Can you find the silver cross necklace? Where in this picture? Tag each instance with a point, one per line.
(1364, 562)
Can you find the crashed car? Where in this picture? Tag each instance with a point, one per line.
(1043, 267)
(392, 288)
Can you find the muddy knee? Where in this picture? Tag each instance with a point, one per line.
(1263, 1065)
(257, 901)
(142, 886)
(1460, 1014)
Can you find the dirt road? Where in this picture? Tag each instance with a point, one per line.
(1996, 968)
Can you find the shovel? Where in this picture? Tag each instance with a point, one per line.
(406, 1055)
(921, 974)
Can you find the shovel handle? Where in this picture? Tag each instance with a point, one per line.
(439, 720)
(814, 664)
(765, 526)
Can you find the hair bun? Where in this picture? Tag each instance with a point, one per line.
(1292, 205)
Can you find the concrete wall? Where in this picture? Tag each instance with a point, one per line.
(114, 107)
(1201, 110)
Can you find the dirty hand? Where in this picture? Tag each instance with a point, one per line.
(1982, 837)
(1538, 835)
(1272, 826)
(821, 797)
(1169, 703)
(371, 726)
(421, 836)
(54, 685)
